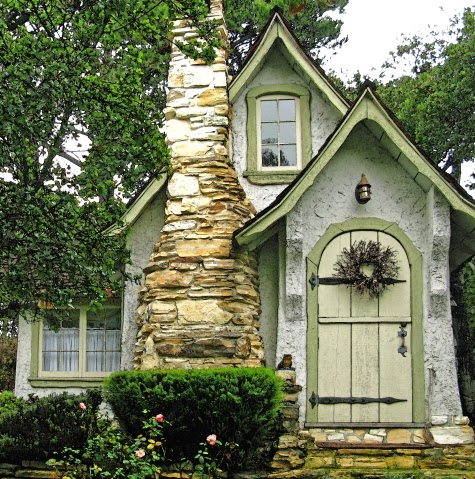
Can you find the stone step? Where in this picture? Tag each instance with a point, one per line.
(362, 473)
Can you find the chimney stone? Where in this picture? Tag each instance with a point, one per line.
(199, 305)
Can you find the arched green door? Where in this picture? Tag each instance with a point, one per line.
(362, 371)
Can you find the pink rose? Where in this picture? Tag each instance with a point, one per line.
(159, 417)
(211, 439)
(82, 406)
(139, 453)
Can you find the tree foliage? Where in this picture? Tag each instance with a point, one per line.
(82, 84)
(310, 24)
(83, 87)
(437, 100)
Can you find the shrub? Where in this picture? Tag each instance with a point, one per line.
(37, 427)
(239, 405)
(112, 454)
(9, 402)
(8, 348)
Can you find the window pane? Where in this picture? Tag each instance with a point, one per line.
(286, 110)
(287, 133)
(269, 156)
(288, 155)
(61, 348)
(269, 133)
(103, 340)
(278, 128)
(269, 110)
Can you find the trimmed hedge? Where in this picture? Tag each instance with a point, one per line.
(35, 428)
(239, 405)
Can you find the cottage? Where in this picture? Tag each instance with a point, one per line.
(298, 225)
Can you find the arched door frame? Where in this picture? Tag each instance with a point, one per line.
(415, 263)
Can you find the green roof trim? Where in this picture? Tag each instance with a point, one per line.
(278, 31)
(143, 199)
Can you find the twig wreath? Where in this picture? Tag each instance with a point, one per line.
(350, 264)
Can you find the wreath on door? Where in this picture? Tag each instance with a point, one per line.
(383, 261)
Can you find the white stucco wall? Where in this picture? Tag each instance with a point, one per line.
(424, 218)
(324, 117)
(144, 235)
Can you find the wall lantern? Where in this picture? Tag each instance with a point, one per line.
(363, 191)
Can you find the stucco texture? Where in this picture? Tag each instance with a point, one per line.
(324, 117)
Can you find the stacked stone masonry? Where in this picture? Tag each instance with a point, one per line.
(307, 460)
(199, 306)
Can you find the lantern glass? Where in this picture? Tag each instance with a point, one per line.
(363, 190)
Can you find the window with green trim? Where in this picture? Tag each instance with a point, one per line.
(279, 132)
(88, 344)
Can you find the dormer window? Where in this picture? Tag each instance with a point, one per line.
(279, 132)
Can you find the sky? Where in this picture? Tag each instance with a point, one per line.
(375, 28)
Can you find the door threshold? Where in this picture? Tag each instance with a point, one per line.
(360, 425)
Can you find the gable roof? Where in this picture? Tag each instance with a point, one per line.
(278, 32)
(369, 109)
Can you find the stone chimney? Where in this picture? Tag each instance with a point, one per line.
(199, 306)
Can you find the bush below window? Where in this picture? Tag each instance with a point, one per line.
(35, 428)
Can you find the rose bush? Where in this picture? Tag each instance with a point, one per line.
(110, 453)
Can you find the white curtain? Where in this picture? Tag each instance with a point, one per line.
(61, 349)
(103, 350)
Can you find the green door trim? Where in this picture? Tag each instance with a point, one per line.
(415, 262)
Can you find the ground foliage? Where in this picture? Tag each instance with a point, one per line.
(8, 349)
(110, 453)
(79, 79)
(308, 19)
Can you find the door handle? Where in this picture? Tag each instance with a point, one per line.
(402, 333)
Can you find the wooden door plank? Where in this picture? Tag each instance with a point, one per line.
(365, 371)
(363, 304)
(390, 303)
(333, 300)
(395, 373)
(334, 370)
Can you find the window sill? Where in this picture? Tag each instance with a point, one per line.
(64, 382)
(271, 177)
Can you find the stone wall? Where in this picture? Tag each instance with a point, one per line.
(199, 306)
(348, 461)
(27, 470)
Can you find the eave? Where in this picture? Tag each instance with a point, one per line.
(139, 204)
